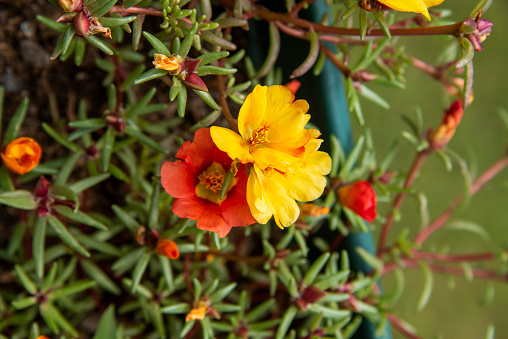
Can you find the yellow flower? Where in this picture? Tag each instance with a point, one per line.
(22, 155)
(171, 64)
(197, 313)
(271, 192)
(286, 165)
(415, 6)
(272, 130)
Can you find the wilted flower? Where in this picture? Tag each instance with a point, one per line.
(96, 27)
(439, 138)
(198, 312)
(360, 198)
(183, 68)
(168, 248)
(313, 210)
(286, 165)
(170, 64)
(482, 29)
(22, 155)
(196, 182)
(415, 6)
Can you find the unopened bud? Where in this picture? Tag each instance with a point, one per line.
(71, 6)
(439, 138)
(81, 23)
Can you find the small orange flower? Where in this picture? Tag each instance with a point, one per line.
(360, 198)
(313, 210)
(171, 64)
(168, 248)
(42, 337)
(22, 155)
(197, 313)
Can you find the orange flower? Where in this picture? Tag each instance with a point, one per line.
(439, 138)
(42, 337)
(168, 248)
(196, 182)
(22, 155)
(197, 313)
(360, 198)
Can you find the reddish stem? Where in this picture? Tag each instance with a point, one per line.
(417, 255)
(475, 187)
(400, 326)
(336, 61)
(224, 105)
(453, 29)
(136, 10)
(476, 272)
(420, 159)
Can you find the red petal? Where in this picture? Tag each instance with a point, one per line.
(212, 220)
(178, 179)
(191, 208)
(199, 152)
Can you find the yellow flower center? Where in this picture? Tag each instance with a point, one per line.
(260, 136)
(210, 183)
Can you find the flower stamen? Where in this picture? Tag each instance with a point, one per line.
(212, 180)
(260, 136)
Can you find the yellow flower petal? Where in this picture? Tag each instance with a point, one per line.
(252, 111)
(231, 143)
(266, 197)
(416, 6)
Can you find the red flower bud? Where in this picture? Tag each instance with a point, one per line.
(168, 248)
(360, 198)
(293, 85)
(439, 138)
(81, 23)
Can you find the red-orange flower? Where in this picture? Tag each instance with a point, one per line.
(439, 138)
(168, 248)
(22, 155)
(360, 198)
(196, 181)
(42, 337)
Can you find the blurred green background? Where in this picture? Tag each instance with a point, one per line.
(459, 311)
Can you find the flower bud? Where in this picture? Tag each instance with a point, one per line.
(71, 6)
(22, 155)
(439, 138)
(81, 23)
(168, 248)
(360, 198)
(293, 85)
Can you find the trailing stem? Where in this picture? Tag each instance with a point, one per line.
(420, 159)
(475, 187)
